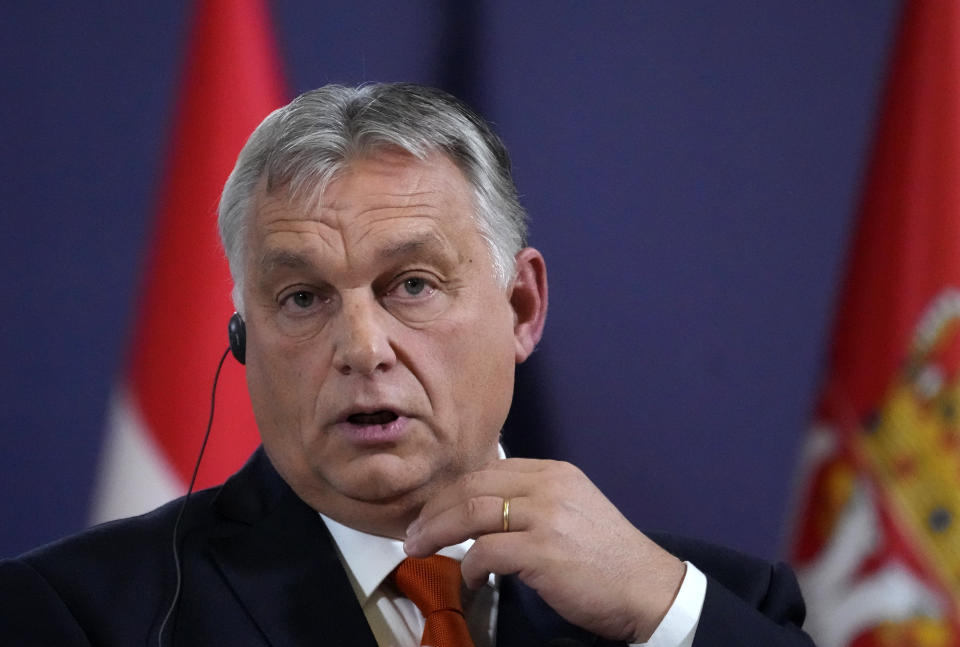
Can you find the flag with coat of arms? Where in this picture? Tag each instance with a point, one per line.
(877, 537)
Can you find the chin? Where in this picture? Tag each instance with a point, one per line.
(383, 479)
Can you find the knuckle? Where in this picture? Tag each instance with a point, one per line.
(565, 478)
(481, 548)
(472, 509)
(559, 470)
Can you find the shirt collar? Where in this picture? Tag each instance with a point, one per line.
(371, 558)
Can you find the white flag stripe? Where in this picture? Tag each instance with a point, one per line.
(134, 475)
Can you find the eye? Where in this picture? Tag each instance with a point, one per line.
(417, 296)
(414, 285)
(412, 288)
(302, 299)
(300, 302)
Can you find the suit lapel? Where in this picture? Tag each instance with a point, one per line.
(282, 564)
(278, 558)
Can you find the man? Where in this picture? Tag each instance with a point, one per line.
(378, 254)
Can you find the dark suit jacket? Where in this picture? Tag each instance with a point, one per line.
(259, 568)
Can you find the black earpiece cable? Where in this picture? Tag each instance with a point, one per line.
(183, 506)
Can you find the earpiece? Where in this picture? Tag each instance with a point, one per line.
(237, 331)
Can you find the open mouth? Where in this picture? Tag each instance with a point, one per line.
(376, 418)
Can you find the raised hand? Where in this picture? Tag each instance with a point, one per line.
(565, 539)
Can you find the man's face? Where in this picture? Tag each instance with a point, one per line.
(380, 347)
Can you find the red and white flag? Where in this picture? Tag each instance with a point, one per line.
(161, 403)
(877, 542)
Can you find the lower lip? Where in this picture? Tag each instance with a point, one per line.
(373, 435)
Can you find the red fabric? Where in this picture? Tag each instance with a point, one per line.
(906, 247)
(433, 584)
(232, 82)
(905, 254)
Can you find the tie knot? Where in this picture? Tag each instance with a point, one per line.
(432, 583)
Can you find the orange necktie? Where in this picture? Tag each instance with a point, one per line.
(433, 584)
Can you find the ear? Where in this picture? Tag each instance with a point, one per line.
(528, 297)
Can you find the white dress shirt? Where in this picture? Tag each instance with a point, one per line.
(397, 622)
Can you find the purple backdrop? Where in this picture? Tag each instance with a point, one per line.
(690, 168)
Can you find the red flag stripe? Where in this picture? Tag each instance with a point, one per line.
(907, 244)
(232, 82)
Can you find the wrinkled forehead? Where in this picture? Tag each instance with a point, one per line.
(383, 171)
(304, 175)
(388, 207)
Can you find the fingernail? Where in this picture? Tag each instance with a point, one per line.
(411, 546)
(413, 527)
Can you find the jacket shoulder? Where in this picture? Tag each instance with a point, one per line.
(121, 569)
(121, 540)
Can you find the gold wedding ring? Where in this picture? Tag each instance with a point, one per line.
(506, 515)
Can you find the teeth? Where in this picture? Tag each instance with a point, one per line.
(378, 418)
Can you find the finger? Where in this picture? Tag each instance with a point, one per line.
(502, 553)
(473, 518)
(489, 483)
(520, 464)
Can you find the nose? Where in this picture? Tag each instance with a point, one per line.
(362, 345)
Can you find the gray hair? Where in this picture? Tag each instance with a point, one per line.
(300, 147)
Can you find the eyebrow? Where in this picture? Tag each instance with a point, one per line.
(404, 247)
(284, 258)
(275, 258)
(430, 244)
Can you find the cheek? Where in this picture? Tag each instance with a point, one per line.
(475, 365)
(283, 378)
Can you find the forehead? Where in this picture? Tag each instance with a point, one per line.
(380, 186)
(390, 201)
(396, 172)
